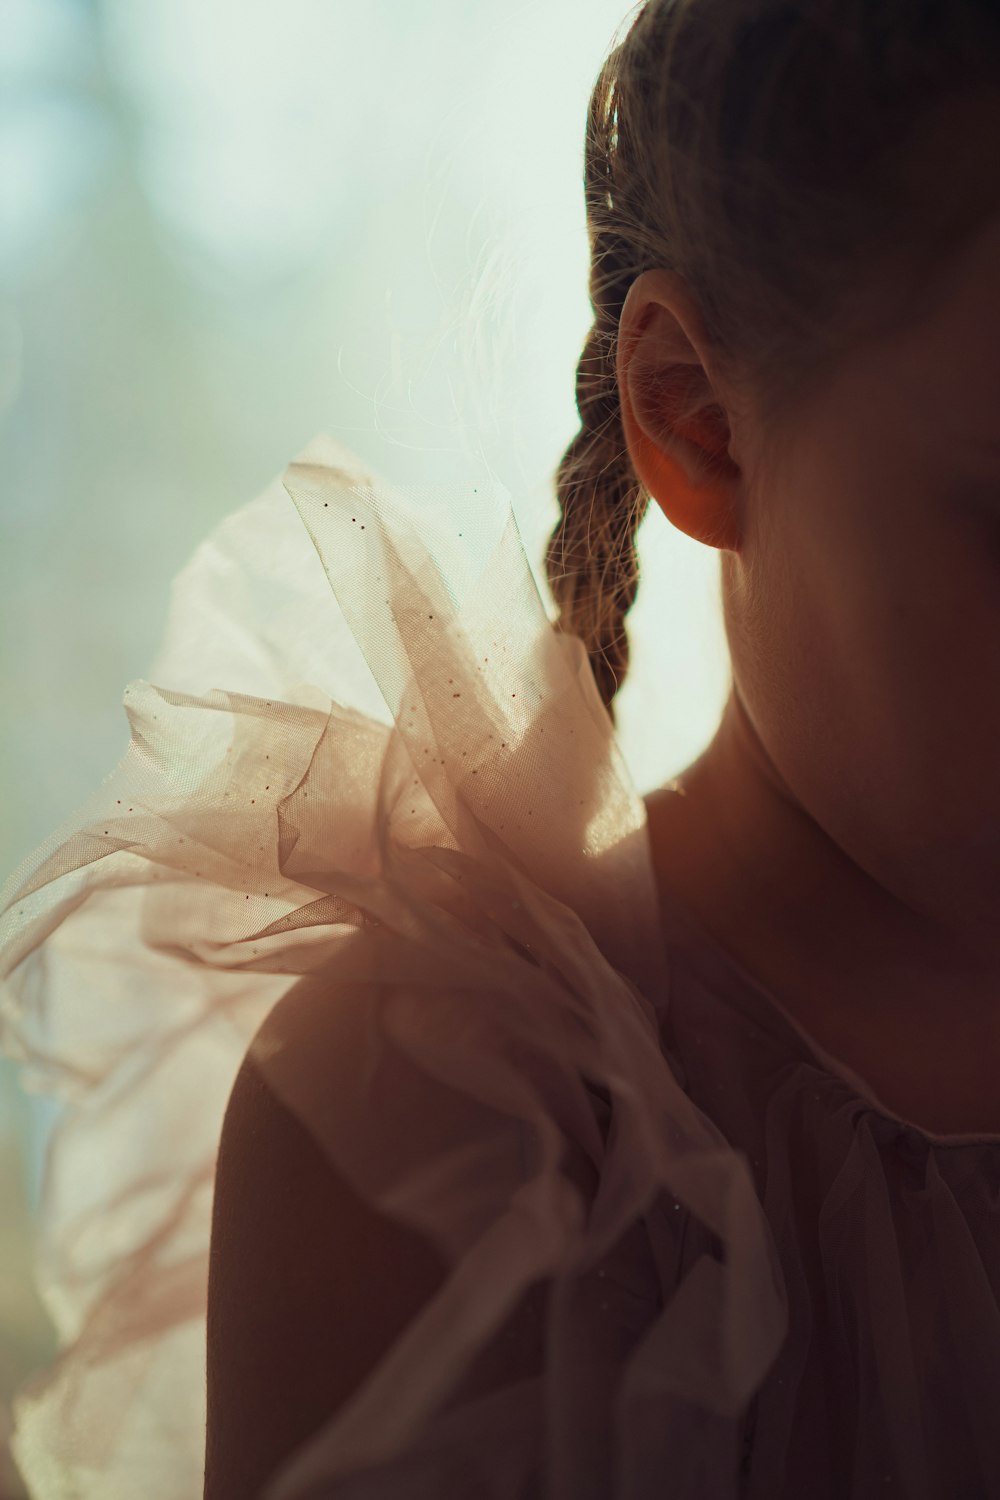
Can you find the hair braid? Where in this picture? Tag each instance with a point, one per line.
(591, 560)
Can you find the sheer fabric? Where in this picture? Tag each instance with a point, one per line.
(365, 756)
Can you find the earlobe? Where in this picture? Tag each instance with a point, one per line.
(705, 511)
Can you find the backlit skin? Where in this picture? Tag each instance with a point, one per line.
(841, 833)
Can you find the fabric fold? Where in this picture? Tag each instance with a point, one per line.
(366, 763)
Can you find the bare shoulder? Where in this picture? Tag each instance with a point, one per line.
(308, 1284)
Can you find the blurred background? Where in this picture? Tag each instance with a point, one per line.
(225, 227)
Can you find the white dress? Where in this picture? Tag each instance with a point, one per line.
(365, 754)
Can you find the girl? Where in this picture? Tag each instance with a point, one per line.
(606, 1147)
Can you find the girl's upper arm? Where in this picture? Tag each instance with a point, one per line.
(309, 1286)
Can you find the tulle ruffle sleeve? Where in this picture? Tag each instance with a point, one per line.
(365, 756)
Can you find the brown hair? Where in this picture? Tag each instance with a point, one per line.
(769, 153)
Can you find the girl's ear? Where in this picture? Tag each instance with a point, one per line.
(676, 428)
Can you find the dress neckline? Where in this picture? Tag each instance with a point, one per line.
(705, 954)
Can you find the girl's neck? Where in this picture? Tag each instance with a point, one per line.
(761, 876)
